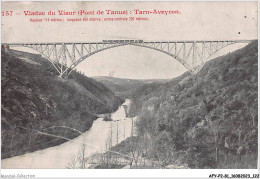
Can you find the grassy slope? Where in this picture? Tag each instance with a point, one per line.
(216, 108)
(34, 98)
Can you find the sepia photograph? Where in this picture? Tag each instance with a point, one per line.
(130, 85)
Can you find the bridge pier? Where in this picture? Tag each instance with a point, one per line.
(5, 48)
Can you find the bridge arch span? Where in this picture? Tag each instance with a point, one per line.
(66, 56)
(73, 66)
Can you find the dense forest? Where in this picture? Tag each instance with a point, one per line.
(206, 120)
(35, 100)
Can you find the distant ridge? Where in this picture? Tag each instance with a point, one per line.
(124, 87)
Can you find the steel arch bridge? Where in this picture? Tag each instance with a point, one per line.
(66, 56)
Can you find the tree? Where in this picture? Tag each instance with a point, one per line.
(72, 164)
(79, 160)
(214, 128)
(164, 148)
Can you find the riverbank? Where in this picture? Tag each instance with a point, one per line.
(96, 140)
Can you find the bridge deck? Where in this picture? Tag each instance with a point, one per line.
(67, 43)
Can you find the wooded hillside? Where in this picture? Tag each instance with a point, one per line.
(35, 99)
(208, 120)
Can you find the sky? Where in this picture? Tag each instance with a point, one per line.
(197, 21)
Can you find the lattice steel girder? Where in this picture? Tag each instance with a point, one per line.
(66, 56)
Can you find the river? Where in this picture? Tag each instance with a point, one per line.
(58, 157)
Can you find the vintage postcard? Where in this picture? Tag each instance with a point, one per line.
(129, 85)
